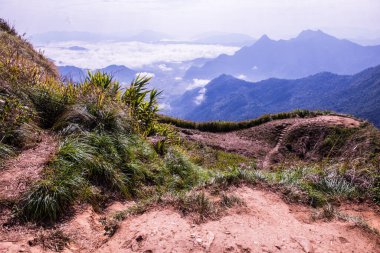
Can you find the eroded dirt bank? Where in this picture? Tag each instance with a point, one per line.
(265, 224)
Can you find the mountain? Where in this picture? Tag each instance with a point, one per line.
(72, 73)
(119, 73)
(228, 98)
(309, 53)
(228, 39)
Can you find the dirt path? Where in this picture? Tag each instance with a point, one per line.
(267, 160)
(266, 224)
(19, 172)
(264, 141)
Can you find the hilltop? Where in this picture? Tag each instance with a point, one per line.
(91, 167)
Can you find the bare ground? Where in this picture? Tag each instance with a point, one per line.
(265, 224)
(20, 172)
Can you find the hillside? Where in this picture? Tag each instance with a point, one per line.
(91, 167)
(228, 98)
(309, 53)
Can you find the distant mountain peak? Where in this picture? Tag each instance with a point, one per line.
(224, 77)
(313, 34)
(264, 38)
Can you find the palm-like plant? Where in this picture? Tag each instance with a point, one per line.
(145, 111)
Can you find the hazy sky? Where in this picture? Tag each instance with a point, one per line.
(355, 19)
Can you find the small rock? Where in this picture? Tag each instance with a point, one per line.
(342, 239)
(304, 243)
(210, 240)
(139, 238)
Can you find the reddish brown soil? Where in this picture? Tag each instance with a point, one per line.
(266, 224)
(20, 172)
(264, 141)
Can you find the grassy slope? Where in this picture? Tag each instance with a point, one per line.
(104, 154)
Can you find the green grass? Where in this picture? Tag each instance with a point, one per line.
(215, 159)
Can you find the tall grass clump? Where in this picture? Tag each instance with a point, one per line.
(116, 165)
(50, 198)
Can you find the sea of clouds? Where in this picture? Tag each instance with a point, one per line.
(130, 54)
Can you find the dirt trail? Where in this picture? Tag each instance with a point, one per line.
(265, 224)
(21, 171)
(267, 160)
(264, 141)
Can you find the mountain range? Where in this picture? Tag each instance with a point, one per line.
(118, 72)
(309, 53)
(229, 98)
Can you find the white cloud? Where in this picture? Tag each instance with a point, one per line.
(201, 96)
(197, 83)
(164, 68)
(241, 76)
(146, 74)
(164, 107)
(130, 54)
(178, 78)
(255, 68)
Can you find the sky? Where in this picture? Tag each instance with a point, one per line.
(280, 19)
